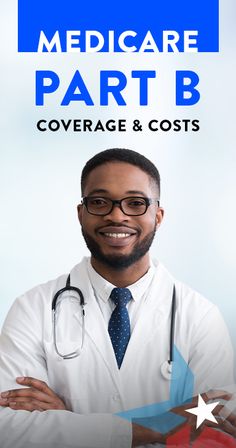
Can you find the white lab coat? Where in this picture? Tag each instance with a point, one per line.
(91, 384)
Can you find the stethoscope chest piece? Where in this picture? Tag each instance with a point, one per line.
(170, 370)
(166, 370)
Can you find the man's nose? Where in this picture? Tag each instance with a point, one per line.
(116, 214)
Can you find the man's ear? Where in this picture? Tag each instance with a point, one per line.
(79, 212)
(159, 216)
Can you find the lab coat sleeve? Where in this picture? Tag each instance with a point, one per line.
(22, 354)
(61, 429)
(211, 357)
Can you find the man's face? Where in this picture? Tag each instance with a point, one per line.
(118, 240)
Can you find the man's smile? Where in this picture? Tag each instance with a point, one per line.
(117, 235)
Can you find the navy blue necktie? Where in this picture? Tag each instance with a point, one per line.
(119, 324)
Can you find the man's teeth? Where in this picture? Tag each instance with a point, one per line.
(117, 235)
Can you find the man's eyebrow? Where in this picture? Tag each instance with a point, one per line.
(103, 191)
(135, 192)
(96, 191)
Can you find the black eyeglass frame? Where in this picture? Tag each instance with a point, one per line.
(148, 202)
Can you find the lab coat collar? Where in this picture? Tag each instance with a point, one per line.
(156, 312)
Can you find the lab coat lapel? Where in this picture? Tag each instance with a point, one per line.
(154, 314)
(95, 326)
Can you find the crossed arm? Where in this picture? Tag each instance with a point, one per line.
(28, 428)
(36, 395)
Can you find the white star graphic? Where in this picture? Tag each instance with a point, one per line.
(203, 411)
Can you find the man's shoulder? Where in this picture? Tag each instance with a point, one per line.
(46, 290)
(34, 306)
(187, 297)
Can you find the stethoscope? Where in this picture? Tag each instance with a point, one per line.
(58, 294)
(166, 367)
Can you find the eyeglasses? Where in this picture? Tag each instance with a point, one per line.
(131, 206)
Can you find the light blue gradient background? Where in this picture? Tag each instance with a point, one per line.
(40, 172)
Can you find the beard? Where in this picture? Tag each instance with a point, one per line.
(119, 262)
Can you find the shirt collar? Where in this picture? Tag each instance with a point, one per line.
(102, 288)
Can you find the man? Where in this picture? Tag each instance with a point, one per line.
(113, 354)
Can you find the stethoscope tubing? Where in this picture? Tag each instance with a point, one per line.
(172, 325)
(68, 287)
(76, 353)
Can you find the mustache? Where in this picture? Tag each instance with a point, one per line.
(117, 226)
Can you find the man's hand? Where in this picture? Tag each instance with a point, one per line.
(227, 423)
(37, 396)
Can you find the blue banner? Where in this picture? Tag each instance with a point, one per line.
(154, 25)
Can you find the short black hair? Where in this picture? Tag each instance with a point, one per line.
(120, 155)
